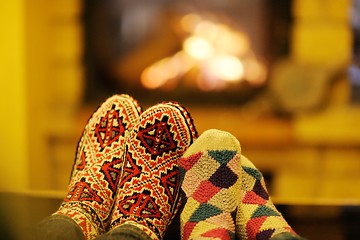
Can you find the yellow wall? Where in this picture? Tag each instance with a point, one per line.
(13, 120)
(54, 76)
(40, 91)
(321, 33)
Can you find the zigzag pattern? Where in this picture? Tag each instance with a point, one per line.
(150, 180)
(98, 165)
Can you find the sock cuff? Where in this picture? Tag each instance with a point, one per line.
(83, 219)
(136, 230)
(58, 226)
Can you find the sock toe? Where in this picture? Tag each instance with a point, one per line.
(214, 139)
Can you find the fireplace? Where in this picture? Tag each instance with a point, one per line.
(220, 52)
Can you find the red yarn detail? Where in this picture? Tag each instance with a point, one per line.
(171, 184)
(109, 129)
(253, 226)
(111, 171)
(82, 164)
(83, 225)
(130, 170)
(82, 192)
(205, 192)
(290, 230)
(141, 205)
(219, 233)
(253, 198)
(188, 228)
(157, 138)
(189, 162)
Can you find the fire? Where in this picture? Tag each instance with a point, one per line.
(221, 54)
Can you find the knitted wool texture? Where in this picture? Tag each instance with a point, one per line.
(98, 164)
(257, 217)
(149, 188)
(210, 175)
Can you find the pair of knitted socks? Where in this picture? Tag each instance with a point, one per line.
(126, 168)
(226, 196)
(130, 164)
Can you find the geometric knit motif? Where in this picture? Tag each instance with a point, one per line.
(148, 190)
(98, 165)
(211, 183)
(257, 217)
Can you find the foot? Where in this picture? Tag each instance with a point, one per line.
(148, 192)
(210, 173)
(98, 164)
(257, 216)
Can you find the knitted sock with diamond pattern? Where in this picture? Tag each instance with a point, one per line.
(257, 218)
(210, 174)
(148, 191)
(98, 164)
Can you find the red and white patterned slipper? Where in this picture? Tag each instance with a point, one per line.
(98, 165)
(148, 191)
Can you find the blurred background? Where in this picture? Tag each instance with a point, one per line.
(282, 76)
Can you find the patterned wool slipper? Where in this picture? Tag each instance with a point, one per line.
(210, 174)
(98, 164)
(257, 218)
(148, 191)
